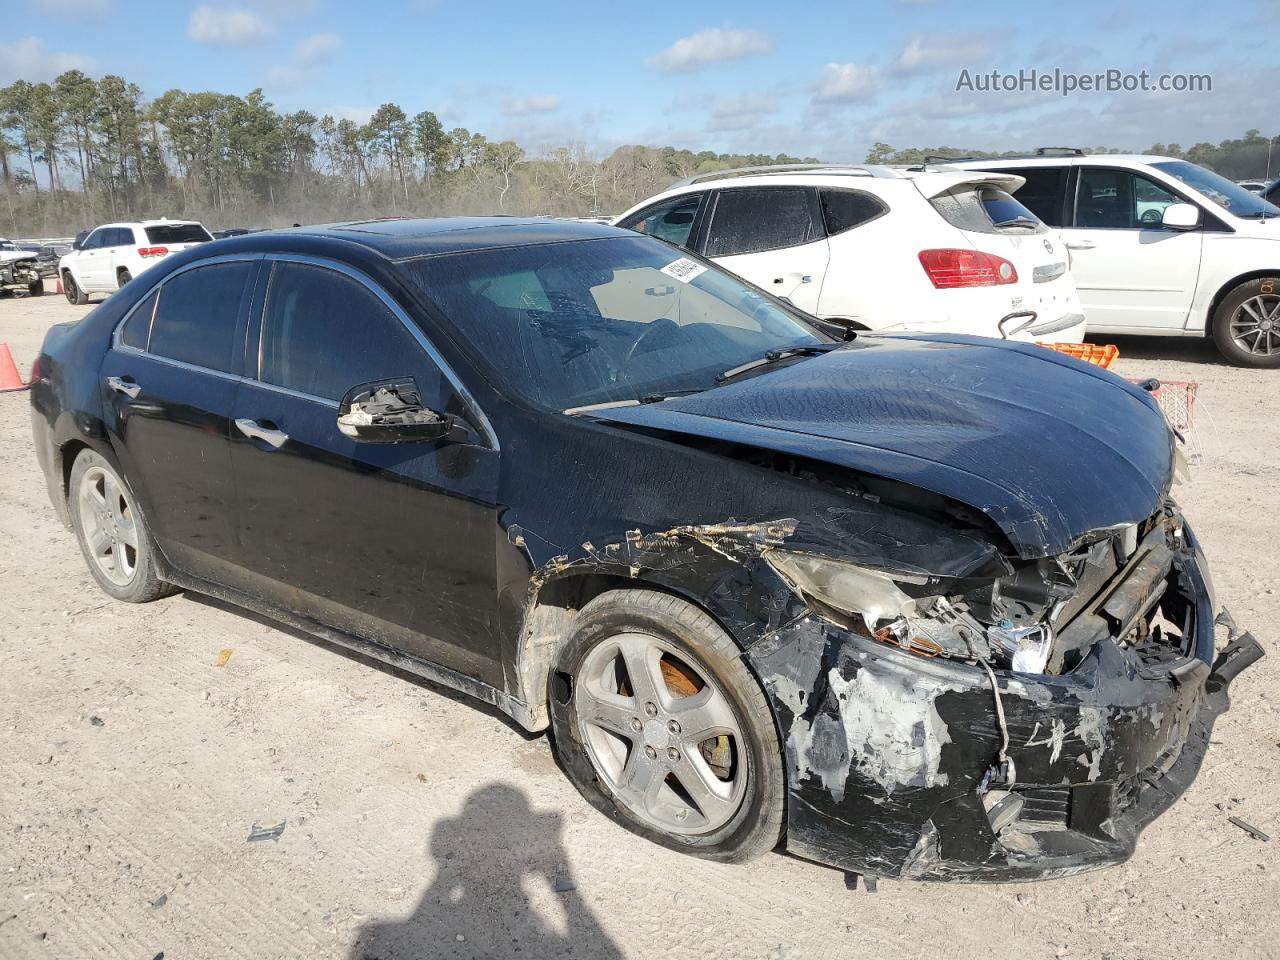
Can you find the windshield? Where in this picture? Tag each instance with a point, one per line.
(1230, 196)
(600, 321)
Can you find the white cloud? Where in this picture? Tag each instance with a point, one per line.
(354, 114)
(225, 27)
(711, 46)
(740, 113)
(924, 53)
(847, 83)
(29, 59)
(544, 103)
(316, 49)
(73, 9)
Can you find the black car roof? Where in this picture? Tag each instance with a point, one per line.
(403, 239)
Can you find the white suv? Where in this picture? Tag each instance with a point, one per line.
(113, 254)
(879, 248)
(1161, 246)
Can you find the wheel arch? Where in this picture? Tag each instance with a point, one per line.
(1227, 287)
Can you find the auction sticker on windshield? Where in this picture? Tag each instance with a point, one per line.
(684, 270)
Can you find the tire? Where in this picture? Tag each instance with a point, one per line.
(596, 709)
(1246, 325)
(123, 277)
(36, 288)
(125, 571)
(71, 290)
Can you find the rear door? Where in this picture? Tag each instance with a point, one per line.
(772, 237)
(394, 542)
(1133, 273)
(168, 385)
(116, 253)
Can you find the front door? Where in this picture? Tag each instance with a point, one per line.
(391, 542)
(93, 261)
(1132, 273)
(771, 237)
(169, 384)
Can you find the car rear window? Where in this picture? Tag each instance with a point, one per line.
(844, 209)
(986, 210)
(178, 233)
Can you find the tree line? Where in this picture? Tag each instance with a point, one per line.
(1251, 157)
(77, 152)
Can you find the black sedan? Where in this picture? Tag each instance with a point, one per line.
(913, 606)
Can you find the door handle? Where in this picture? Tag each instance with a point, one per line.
(1080, 244)
(124, 385)
(268, 435)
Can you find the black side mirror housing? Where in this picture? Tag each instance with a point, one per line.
(391, 411)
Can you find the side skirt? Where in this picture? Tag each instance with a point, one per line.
(516, 709)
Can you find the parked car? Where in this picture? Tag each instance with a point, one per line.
(1161, 246)
(878, 248)
(47, 256)
(19, 269)
(925, 598)
(105, 259)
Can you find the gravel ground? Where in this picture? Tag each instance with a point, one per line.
(133, 767)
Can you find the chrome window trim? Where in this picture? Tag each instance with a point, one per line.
(324, 263)
(181, 364)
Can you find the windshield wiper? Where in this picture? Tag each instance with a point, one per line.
(776, 356)
(1017, 222)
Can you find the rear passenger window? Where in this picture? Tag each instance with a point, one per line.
(845, 209)
(195, 320)
(137, 329)
(324, 333)
(752, 220)
(1044, 193)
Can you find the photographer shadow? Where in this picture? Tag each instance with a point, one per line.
(478, 904)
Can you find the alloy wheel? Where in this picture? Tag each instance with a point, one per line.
(110, 525)
(1255, 327)
(661, 733)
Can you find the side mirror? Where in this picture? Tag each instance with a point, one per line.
(391, 411)
(1181, 216)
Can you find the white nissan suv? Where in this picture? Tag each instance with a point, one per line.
(110, 256)
(879, 248)
(1161, 246)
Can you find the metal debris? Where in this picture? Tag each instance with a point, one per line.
(1249, 828)
(259, 834)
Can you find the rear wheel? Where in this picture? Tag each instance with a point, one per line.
(112, 532)
(659, 725)
(71, 290)
(1246, 325)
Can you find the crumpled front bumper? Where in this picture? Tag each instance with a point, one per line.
(887, 752)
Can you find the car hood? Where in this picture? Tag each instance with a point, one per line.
(1049, 447)
(9, 256)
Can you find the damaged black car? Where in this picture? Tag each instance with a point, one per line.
(914, 606)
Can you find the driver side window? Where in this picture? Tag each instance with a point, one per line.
(672, 220)
(1120, 200)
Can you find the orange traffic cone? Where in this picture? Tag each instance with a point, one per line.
(9, 379)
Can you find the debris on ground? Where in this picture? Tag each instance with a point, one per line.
(159, 901)
(1249, 828)
(223, 657)
(97, 721)
(259, 834)
(563, 885)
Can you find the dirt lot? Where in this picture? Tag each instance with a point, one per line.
(133, 768)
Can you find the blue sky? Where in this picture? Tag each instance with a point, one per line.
(819, 78)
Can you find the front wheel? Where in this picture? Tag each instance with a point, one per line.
(112, 532)
(1246, 325)
(35, 288)
(71, 290)
(660, 725)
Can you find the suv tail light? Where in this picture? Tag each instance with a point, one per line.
(966, 268)
(152, 251)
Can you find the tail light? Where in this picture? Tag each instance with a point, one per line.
(152, 251)
(966, 268)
